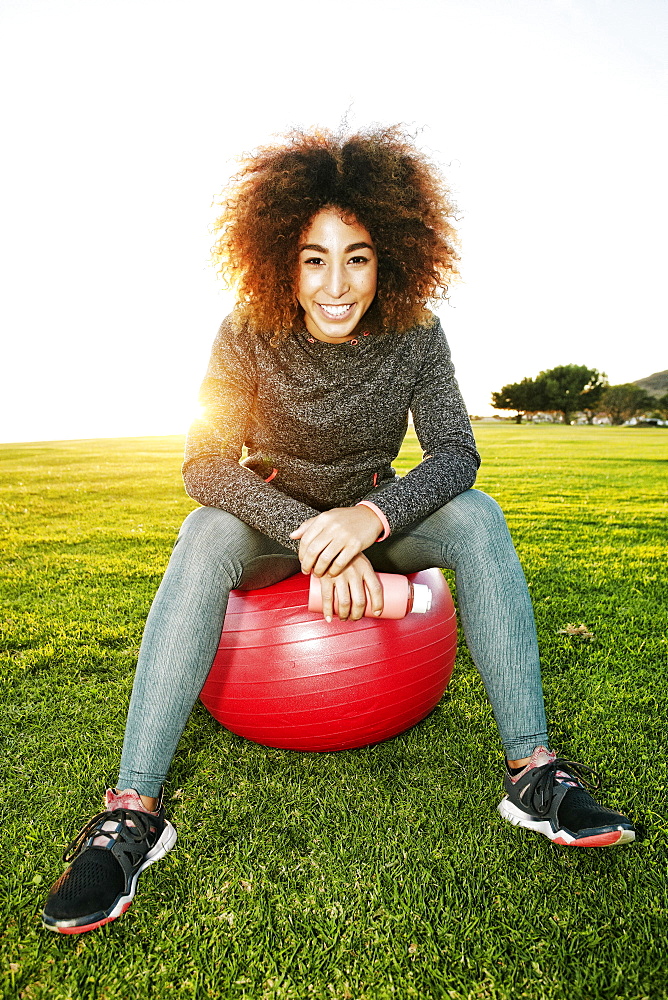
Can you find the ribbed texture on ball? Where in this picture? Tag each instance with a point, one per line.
(285, 678)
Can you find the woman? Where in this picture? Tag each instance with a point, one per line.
(335, 246)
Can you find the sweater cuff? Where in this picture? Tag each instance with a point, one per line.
(383, 519)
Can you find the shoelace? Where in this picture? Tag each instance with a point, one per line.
(128, 834)
(541, 783)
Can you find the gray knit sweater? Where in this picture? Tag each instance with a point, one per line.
(322, 424)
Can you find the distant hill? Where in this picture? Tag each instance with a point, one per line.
(655, 385)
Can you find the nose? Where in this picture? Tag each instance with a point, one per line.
(337, 283)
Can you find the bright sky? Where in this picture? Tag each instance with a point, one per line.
(122, 120)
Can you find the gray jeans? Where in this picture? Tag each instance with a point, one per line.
(215, 552)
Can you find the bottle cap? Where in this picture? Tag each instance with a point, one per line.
(421, 598)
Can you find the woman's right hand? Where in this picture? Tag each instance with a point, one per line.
(348, 585)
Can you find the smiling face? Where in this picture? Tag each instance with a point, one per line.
(337, 276)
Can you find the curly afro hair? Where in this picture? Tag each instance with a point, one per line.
(376, 176)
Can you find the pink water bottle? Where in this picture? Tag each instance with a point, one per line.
(400, 596)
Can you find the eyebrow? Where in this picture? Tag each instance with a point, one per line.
(349, 249)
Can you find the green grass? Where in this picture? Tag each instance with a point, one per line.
(364, 875)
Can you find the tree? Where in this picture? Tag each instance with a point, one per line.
(661, 406)
(526, 397)
(590, 397)
(568, 389)
(622, 402)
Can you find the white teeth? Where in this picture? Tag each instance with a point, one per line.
(336, 311)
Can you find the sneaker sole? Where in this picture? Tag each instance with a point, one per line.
(163, 846)
(606, 838)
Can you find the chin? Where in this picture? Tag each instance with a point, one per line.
(338, 333)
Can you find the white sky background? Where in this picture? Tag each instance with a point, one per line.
(121, 121)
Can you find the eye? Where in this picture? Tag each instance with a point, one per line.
(313, 260)
(359, 260)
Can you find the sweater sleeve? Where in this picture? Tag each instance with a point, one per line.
(450, 458)
(211, 470)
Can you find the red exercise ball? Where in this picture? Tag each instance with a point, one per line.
(284, 677)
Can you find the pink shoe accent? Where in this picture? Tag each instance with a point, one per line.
(539, 757)
(126, 800)
(542, 756)
(92, 927)
(596, 840)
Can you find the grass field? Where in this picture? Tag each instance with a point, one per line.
(364, 875)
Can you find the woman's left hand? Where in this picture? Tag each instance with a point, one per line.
(330, 540)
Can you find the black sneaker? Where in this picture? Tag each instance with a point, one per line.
(107, 857)
(549, 796)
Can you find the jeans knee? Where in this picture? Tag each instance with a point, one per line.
(475, 519)
(202, 524)
(208, 542)
(474, 508)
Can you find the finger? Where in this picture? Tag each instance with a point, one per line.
(375, 593)
(298, 532)
(343, 599)
(329, 558)
(310, 551)
(307, 554)
(334, 559)
(359, 599)
(349, 549)
(327, 590)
